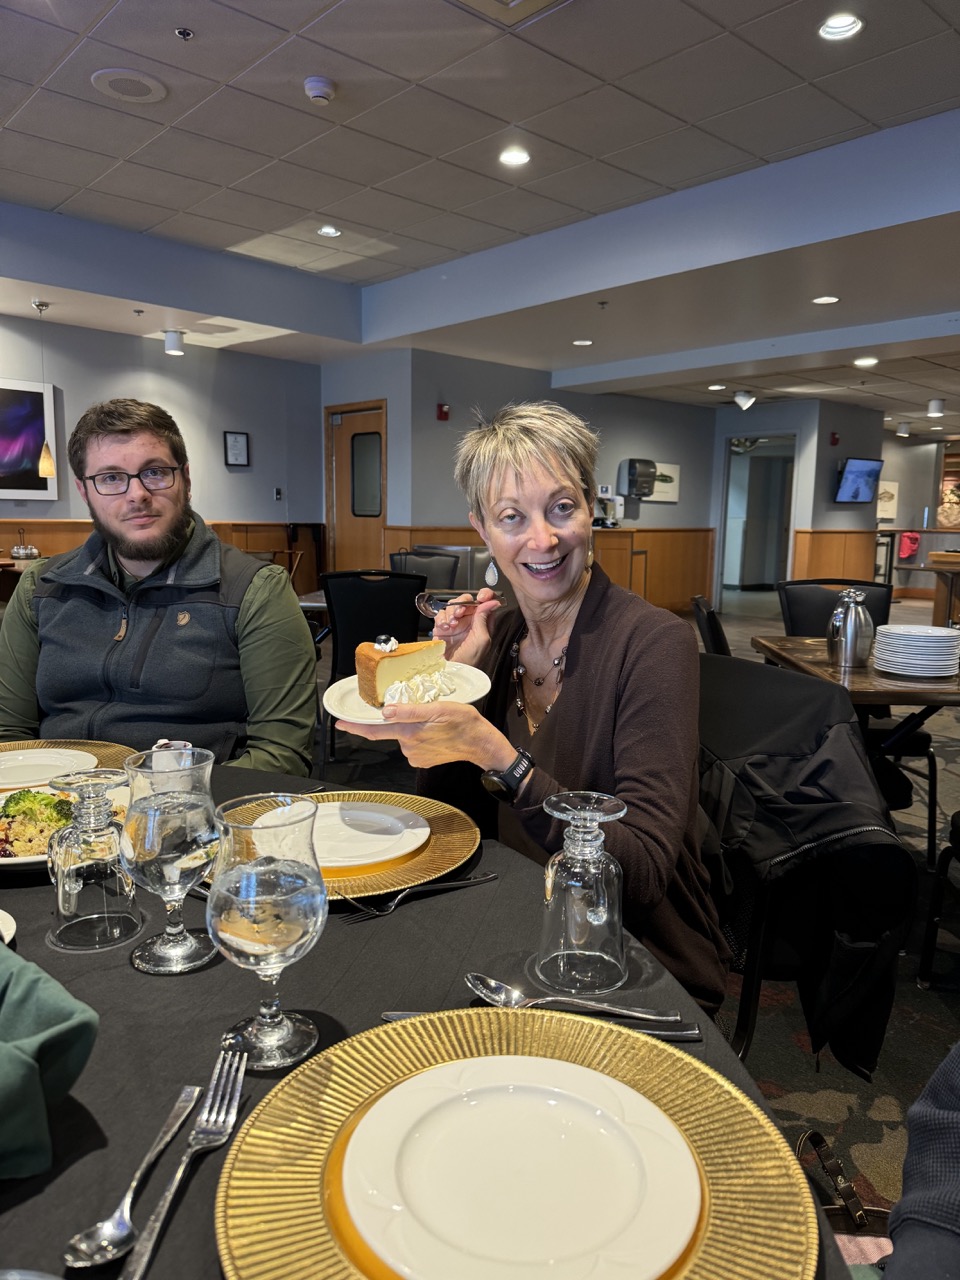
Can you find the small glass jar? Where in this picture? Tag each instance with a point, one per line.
(581, 939)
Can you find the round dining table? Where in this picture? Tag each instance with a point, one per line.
(157, 1034)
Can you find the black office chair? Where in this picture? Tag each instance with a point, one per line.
(362, 604)
(810, 882)
(710, 627)
(807, 604)
(440, 568)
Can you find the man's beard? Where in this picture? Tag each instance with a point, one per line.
(156, 549)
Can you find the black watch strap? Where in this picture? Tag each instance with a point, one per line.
(505, 783)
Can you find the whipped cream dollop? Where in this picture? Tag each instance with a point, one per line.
(385, 644)
(427, 687)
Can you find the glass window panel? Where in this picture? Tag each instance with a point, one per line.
(365, 470)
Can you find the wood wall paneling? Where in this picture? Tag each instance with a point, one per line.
(848, 553)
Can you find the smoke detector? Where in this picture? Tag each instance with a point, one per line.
(320, 90)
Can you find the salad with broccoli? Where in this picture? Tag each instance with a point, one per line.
(27, 821)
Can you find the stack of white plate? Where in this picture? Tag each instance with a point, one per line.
(917, 651)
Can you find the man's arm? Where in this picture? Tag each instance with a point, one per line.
(19, 654)
(278, 666)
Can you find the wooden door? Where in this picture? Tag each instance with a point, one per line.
(356, 485)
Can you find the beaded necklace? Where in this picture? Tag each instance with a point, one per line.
(519, 671)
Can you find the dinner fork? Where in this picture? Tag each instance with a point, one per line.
(367, 911)
(213, 1127)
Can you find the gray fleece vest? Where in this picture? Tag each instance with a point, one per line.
(158, 661)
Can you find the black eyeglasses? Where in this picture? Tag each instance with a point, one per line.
(111, 483)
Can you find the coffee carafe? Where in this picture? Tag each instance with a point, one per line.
(850, 630)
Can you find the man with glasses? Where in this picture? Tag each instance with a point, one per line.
(153, 627)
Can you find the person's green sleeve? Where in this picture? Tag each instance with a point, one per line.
(278, 667)
(19, 654)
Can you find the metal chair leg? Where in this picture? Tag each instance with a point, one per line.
(929, 945)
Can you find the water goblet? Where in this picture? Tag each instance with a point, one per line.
(168, 841)
(267, 908)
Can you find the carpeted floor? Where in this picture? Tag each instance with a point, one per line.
(864, 1121)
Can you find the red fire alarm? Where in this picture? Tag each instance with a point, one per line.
(443, 413)
(834, 438)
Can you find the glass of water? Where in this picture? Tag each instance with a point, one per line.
(168, 841)
(267, 907)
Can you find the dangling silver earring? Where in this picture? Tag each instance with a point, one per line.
(590, 556)
(492, 575)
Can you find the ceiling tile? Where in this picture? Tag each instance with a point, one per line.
(391, 36)
(357, 157)
(715, 76)
(72, 15)
(202, 231)
(354, 237)
(437, 123)
(846, 135)
(521, 210)
(329, 263)
(247, 121)
(224, 42)
(177, 152)
(511, 80)
(446, 186)
(454, 231)
(44, 159)
(596, 187)
(272, 248)
(921, 74)
(39, 193)
(184, 90)
(604, 120)
(789, 119)
(725, 171)
(678, 157)
(303, 186)
(100, 207)
(12, 94)
(245, 210)
(82, 124)
(138, 182)
(732, 13)
(289, 14)
(412, 254)
(546, 157)
(369, 271)
(611, 38)
(280, 76)
(791, 35)
(380, 209)
(29, 50)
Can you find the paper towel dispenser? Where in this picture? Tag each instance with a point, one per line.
(636, 478)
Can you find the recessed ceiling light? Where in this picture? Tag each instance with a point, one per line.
(328, 230)
(128, 86)
(825, 300)
(936, 428)
(841, 26)
(583, 342)
(514, 156)
(866, 362)
(717, 386)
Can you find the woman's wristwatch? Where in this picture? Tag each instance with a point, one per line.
(505, 783)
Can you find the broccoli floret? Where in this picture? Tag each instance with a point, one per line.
(37, 807)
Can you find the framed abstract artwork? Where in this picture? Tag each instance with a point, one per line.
(28, 442)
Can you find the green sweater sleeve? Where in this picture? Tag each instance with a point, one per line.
(19, 653)
(278, 667)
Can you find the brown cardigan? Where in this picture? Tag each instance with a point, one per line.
(625, 723)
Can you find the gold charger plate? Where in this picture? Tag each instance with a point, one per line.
(758, 1222)
(110, 755)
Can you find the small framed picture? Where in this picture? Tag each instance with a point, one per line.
(236, 448)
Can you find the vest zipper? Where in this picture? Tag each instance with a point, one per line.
(825, 840)
(123, 623)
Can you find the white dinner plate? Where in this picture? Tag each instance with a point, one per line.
(8, 927)
(517, 1168)
(35, 768)
(342, 700)
(119, 795)
(349, 833)
(903, 629)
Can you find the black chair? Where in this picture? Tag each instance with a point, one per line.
(710, 627)
(440, 568)
(807, 606)
(362, 604)
(810, 882)
(928, 946)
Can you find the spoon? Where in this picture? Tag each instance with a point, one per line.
(430, 605)
(115, 1236)
(507, 997)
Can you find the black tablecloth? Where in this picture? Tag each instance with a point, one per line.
(158, 1033)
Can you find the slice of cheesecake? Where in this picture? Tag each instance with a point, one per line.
(406, 665)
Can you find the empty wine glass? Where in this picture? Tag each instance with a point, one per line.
(267, 907)
(581, 940)
(168, 841)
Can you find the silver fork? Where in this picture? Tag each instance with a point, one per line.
(213, 1127)
(367, 911)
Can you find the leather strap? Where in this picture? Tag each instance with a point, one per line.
(833, 1168)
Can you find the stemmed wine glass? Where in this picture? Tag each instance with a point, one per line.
(168, 841)
(267, 907)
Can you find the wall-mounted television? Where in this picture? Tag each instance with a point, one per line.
(858, 480)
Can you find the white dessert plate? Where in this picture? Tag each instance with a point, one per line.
(119, 795)
(517, 1168)
(36, 768)
(350, 833)
(342, 700)
(8, 927)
